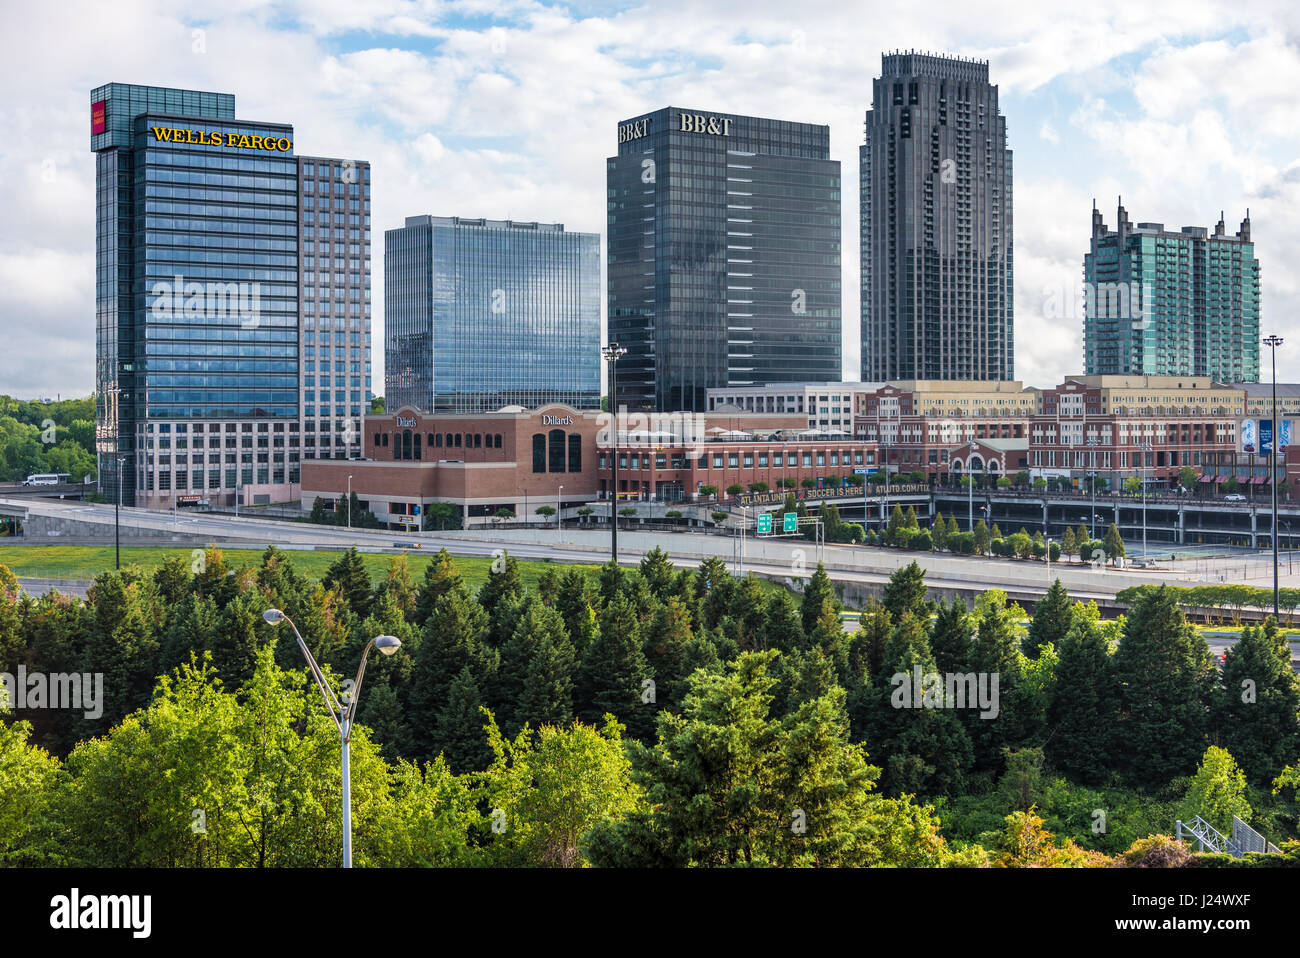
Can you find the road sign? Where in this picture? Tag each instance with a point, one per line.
(864, 471)
(790, 522)
(765, 524)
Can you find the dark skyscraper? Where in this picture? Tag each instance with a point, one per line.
(723, 255)
(936, 224)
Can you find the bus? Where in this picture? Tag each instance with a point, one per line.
(46, 478)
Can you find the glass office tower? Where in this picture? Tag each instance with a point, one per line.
(937, 296)
(198, 280)
(723, 256)
(480, 314)
(1165, 303)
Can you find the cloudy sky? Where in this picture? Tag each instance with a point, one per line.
(508, 110)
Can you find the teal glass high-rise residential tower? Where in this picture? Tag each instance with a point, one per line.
(1165, 303)
(480, 314)
(232, 283)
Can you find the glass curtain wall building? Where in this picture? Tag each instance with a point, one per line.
(723, 256)
(937, 250)
(480, 314)
(198, 307)
(1165, 303)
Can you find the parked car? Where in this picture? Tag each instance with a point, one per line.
(1234, 497)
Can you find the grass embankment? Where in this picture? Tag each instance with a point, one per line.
(85, 562)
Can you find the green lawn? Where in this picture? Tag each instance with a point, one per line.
(85, 562)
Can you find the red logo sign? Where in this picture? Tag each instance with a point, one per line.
(98, 113)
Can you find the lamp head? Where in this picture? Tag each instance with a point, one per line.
(273, 616)
(387, 644)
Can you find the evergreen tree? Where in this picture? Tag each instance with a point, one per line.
(397, 583)
(318, 512)
(981, 537)
(897, 523)
(996, 532)
(1255, 712)
(1085, 705)
(784, 626)
(925, 749)
(459, 729)
(658, 572)
(905, 593)
(1069, 544)
(235, 642)
(613, 670)
(667, 639)
(1166, 678)
(349, 577)
(1113, 544)
(440, 577)
(714, 585)
(1081, 536)
(547, 694)
(1052, 619)
(452, 642)
(818, 590)
(503, 580)
(951, 639)
(573, 602)
(912, 522)
(939, 533)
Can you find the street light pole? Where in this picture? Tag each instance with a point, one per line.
(117, 518)
(1146, 448)
(1273, 342)
(559, 509)
(344, 716)
(349, 502)
(612, 353)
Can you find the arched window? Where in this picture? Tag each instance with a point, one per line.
(417, 446)
(497, 442)
(539, 452)
(478, 440)
(448, 442)
(556, 451)
(437, 439)
(575, 452)
(406, 444)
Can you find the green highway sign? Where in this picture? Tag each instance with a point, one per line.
(791, 522)
(765, 524)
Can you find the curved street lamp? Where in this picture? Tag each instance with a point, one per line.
(613, 353)
(343, 715)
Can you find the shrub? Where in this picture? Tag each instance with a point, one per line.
(1158, 851)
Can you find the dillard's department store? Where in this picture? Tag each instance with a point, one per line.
(558, 456)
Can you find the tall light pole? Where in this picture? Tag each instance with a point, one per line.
(343, 715)
(349, 502)
(970, 489)
(1273, 342)
(559, 508)
(1146, 450)
(1093, 442)
(612, 353)
(117, 519)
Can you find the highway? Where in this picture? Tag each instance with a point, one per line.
(773, 556)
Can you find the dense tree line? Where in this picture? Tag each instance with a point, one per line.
(648, 716)
(47, 437)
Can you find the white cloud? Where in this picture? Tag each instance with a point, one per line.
(508, 110)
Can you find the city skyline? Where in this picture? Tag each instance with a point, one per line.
(1117, 112)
